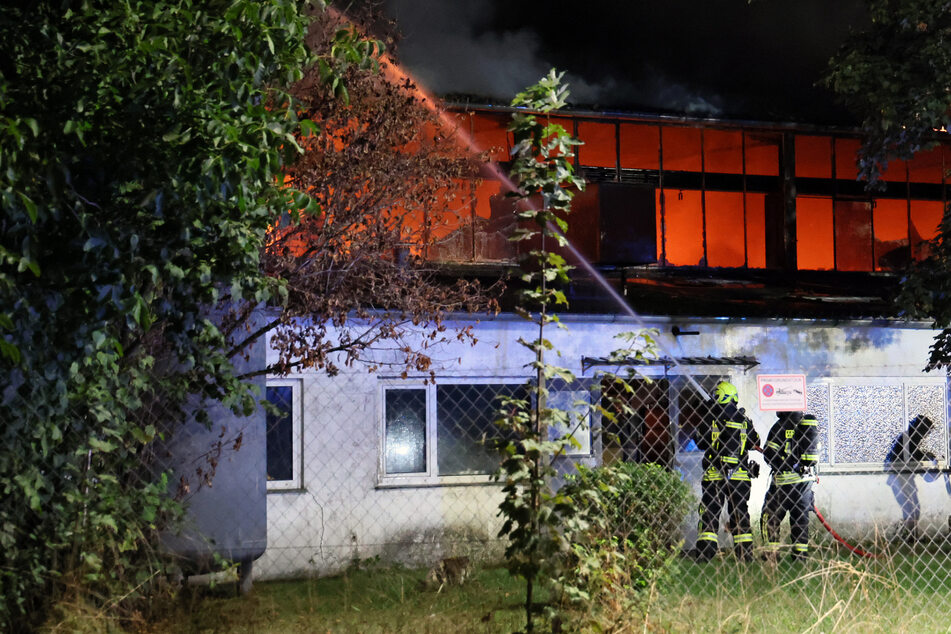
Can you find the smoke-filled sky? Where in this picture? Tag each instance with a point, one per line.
(724, 58)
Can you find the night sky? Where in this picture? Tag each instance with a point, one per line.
(720, 58)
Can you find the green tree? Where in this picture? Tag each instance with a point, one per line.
(386, 170)
(141, 154)
(534, 515)
(895, 77)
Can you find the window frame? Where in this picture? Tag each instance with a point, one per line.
(430, 476)
(830, 465)
(296, 482)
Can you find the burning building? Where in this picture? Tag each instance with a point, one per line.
(750, 247)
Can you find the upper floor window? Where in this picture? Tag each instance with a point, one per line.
(695, 194)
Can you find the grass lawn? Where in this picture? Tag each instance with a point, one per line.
(376, 600)
(904, 591)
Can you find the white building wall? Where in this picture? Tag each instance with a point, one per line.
(343, 512)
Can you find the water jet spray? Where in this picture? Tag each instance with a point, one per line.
(453, 128)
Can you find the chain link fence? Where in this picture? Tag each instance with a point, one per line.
(399, 471)
(365, 467)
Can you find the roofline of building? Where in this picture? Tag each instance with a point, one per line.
(647, 117)
(649, 321)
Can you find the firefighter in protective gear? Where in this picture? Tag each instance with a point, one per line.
(791, 454)
(725, 439)
(737, 438)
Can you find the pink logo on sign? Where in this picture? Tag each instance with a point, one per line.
(767, 390)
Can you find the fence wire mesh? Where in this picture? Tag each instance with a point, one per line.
(400, 471)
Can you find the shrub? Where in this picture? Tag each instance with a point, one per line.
(628, 533)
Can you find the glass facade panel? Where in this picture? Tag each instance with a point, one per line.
(684, 227)
(853, 236)
(489, 135)
(725, 229)
(723, 151)
(927, 166)
(895, 172)
(762, 153)
(756, 231)
(599, 149)
(846, 152)
(813, 156)
(640, 146)
(815, 246)
(681, 149)
(925, 218)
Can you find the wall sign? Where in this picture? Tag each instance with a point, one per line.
(781, 392)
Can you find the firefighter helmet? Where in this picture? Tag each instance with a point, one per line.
(725, 393)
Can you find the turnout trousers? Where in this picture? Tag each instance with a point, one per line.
(713, 497)
(738, 493)
(796, 499)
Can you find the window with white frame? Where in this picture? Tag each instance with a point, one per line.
(862, 419)
(283, 434)
(442, 433)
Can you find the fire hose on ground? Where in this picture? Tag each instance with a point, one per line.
(825, 524)
(855, 549)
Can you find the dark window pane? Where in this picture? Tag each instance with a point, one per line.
(405, 431)
(853, 236)
(280, 433)
(465, 420)
(814, 157)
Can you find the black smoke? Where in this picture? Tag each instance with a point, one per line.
(729, 58)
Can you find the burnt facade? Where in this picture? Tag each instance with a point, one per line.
(751, 212)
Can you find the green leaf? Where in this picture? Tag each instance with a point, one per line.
(105, 446)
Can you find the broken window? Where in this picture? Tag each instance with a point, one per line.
(890, 227)
(656, 419)
(762, 153)
(927, 166)
(719, 200)
(726, 228)
(723, 151)
(680, 148)
(925, 219)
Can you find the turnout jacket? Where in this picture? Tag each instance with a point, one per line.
(791, 447)
(726, 440)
